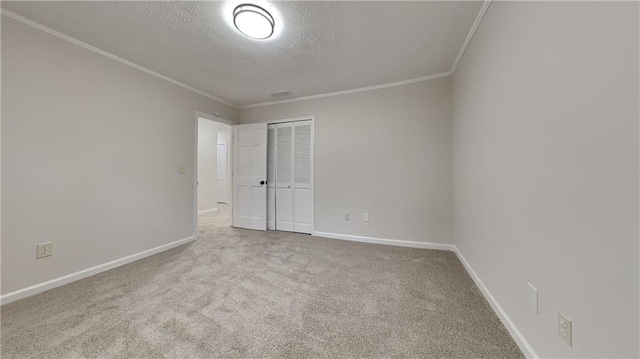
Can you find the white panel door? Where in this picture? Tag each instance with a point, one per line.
(250, 176)
(303, 177)
(271, 178)
(222, 173)
(284, 176)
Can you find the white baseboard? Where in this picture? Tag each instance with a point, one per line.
(39, 288)
(207, 211)
(389, 242)
(517, 336)
(523, 344)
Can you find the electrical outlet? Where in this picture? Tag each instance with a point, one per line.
(565, 328)
(365, 217)
(182, 169)
(44, 250)
(533, 298)
(346, 216)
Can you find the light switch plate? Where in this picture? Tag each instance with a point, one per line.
(565, 329)
(533, 297)
(44, 249)
(346, 216)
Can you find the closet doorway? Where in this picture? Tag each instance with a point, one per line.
(290, 164)
(273, 176)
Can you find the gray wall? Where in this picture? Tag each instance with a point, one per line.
(546, 169)
(386, 152)
(90, 155)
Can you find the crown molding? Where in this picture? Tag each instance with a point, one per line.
(110, 55)
(361, 89)
(472, 32)
(463, 49)
(465, 44)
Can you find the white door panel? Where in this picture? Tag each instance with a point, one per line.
(284, 174)
(302, 204)
(250, 169)
(303, 177)
(271, 208)
(284, 209)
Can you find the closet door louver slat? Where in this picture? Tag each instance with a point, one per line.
(284, 155)
(271, 160)
(302, 154)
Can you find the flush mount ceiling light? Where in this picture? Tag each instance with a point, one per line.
(253, 21)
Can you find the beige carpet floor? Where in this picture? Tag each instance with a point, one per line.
(248, 294)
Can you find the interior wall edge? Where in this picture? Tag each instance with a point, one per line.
(472, 31)
(513, 330)
(517, 336)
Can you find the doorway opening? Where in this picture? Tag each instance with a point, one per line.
(213, 175)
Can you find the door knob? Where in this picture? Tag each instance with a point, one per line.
(262, 182)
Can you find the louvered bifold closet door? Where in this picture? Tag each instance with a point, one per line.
(271, 177)
(284, 176)
(303, 177)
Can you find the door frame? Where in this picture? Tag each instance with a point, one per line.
(313, 157)
(194, 173)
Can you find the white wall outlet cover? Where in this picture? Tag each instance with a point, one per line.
(182, 169)
(533, 297)
(346, 216)
(365, 217)
(565, 328)
(44, 249)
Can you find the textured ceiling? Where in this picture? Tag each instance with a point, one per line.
(320, 46)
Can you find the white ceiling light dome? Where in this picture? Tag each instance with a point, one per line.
(253, 21)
